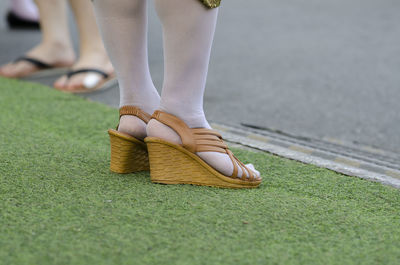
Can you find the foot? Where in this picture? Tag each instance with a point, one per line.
(97, 60)
(219, 161)
(55, 54)
(133, 126)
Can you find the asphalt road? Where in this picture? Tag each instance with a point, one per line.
(322, 69)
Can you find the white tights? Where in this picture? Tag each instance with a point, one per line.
(123, 25)
(188, 30)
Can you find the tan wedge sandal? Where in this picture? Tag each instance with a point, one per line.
(128, 154)
(171, 163)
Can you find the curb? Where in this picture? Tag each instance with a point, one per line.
(365, 162)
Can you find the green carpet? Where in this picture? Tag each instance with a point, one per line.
(59, 203)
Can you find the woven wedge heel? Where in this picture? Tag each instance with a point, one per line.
(128, 154)
(173, 164)
(178, 164)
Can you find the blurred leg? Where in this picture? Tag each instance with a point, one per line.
(123, 26)
(188, 29)
(55, 47)
(54, 22)
(92, 53)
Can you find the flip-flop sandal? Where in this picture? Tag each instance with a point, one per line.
(128, 154)
(172, 163)
(16, 22)
(96, 80)
(42, 69)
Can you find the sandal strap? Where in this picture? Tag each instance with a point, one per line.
(236, 162)
(134, 111)
(179, 127)
(86, 70)
(235, 167)
(193, 139)
(202, 140)
(36, 62)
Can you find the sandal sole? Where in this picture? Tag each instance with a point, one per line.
(128, 154)
(56, 71)
(106, 84)
(173, 164)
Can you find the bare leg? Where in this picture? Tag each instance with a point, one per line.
(55, 47)
(124, 29)
(188, 30)
(92, 53)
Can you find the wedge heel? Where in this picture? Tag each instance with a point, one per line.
(128, 154)
(173, 164)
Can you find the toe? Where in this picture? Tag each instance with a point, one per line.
(83, 81)
(253, 170)
(250, 166)
(20, 69)
(60, 82)
(257, 174)
(73, 84)
(3, 71)
(91, 81)
(7, 70)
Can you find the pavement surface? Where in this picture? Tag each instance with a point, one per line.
(324, 70)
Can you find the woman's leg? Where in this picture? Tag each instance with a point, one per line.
(92, 53)
(188, 29)
(123, 26)
(55, 47)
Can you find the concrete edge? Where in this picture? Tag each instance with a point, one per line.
(341, 164)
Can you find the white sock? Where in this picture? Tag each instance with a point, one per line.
(25, 9)
(188, 30)
(123, 25)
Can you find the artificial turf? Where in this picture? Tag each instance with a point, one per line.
(60, 204)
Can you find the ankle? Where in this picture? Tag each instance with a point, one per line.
(159, 130)
(94, 57)
(56, 53)
(90, 51)
(133, 125)
(194, 118)
(57, 44)
(148, 100)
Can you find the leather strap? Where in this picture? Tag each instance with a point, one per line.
(37, 63)
(202, 140)
(179, 127)
(235, 168)
(134, 111)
